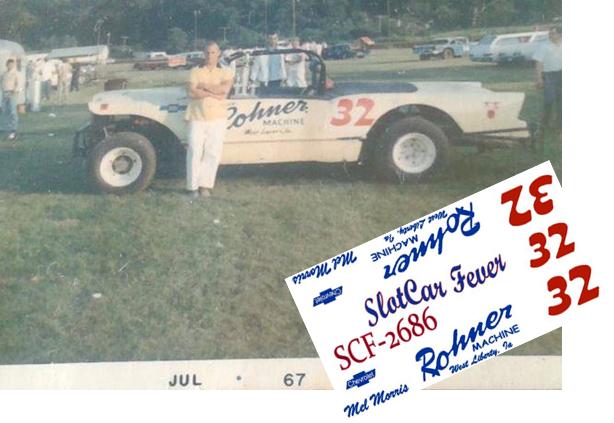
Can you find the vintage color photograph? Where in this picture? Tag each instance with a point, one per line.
(164, 165)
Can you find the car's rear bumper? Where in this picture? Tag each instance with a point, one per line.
(513, 137)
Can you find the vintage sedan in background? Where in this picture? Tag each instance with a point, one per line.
(402, 130)
(443, 48)
(508, 48)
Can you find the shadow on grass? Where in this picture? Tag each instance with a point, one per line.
(291, 173)
(29, 166)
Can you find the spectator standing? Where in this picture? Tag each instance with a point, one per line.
(296, 66)
(47, 70)
(30, 70)
(11, 88)
(74, 79)
(549, 76)
(206, 114)
(63, 71)
(269, 69)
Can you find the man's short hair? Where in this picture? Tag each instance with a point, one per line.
(211, 43)
(10, 61)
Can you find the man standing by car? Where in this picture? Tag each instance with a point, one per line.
(10, 91)
(549, 76)
(206, 114)
(296, 66)
(269, 69)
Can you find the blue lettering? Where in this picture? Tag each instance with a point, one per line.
(433, 364)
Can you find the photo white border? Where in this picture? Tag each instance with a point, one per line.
(586, 394)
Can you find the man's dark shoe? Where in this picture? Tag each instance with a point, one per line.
(192, 195)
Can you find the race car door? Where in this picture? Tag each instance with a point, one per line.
(283, 127)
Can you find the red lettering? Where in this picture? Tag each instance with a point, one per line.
(342, 357)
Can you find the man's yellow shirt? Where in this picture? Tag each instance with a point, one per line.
(208, 108)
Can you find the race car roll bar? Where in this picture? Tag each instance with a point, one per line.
(316, 63)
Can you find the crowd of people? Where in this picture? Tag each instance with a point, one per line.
(44, 73)
(61, 73)
(270, 72)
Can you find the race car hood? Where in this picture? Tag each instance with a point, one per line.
(145, 102)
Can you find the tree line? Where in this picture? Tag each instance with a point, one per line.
(174, 25)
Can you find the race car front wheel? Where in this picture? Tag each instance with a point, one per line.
(414, 148)
(122, 163)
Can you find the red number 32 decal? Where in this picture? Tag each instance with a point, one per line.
(344, 109)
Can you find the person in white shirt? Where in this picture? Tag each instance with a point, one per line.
(549, 76)
(269, 69)
(296, 67)
(64, 70)
(11, 87)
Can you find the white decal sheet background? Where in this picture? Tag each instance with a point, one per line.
(446, 292)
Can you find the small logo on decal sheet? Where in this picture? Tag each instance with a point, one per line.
(360, 379)
(328, 296)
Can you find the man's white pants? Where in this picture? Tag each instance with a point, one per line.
(205, 142)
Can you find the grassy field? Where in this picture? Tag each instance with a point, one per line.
(87, 277)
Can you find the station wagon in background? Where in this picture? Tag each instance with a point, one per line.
(508, 48)
(443, 48)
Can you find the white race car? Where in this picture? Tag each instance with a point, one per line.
(403, 129)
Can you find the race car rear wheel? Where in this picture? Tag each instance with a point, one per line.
(122, 163)
(414, 148)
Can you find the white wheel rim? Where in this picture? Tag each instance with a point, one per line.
(414, 153)
(120, 167)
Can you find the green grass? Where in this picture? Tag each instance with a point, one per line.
(198, 281)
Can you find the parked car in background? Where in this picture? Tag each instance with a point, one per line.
(160, 60)
(443, 48)
(508, 48)
(340, 51)
(193, 58)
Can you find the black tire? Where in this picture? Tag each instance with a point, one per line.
(422, 138)
(448, 54)
(132, 170)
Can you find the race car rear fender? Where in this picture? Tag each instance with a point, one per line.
(433, 114)
(448, 125)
